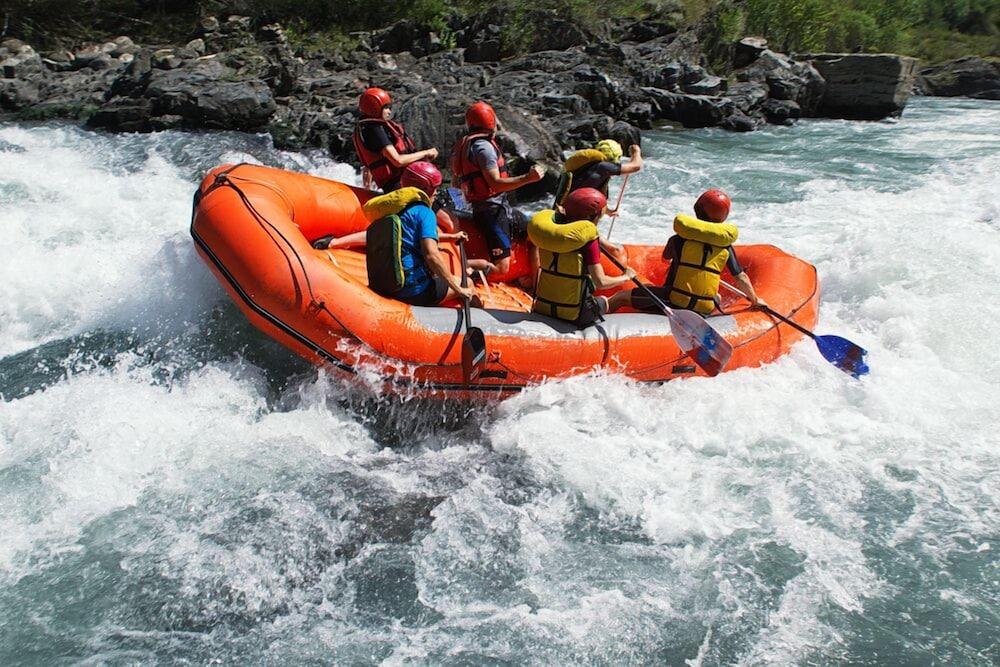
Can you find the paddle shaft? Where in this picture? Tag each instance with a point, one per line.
(771, 311)
(618, 204)
(465, 283)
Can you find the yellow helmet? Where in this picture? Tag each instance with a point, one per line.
(612, 149)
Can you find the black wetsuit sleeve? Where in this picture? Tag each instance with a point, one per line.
(670, 250)
(375, 137)
(733, 264)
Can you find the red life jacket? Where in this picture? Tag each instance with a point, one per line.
(382, 170)
(470, 177)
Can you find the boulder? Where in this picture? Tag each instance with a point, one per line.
(781, 112)
(690, 110)
(17, 94)
(861, 86)
(23, 63)
(969, 77)
(747, 50)
(738, 121)
(205, 98)
(786, 79)
(747, 97)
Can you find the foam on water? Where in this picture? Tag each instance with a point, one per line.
(177, 487)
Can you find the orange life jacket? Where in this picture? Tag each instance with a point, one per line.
(382, 170)
(470, 176)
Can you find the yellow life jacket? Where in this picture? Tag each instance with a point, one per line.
(393, 203)
(574, 163)
(694, 275)
(564, 284)
(384, 238)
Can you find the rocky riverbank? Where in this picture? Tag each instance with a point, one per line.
(235, 75)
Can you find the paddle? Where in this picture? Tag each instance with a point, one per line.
(618, 205)
(693, 334)
(474, 342)
(840, 352)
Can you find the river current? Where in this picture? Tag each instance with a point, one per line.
(175, 487)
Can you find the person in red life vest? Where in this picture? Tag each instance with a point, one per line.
(383, 146)
(428, 280)
(479, 168)
(698, 252)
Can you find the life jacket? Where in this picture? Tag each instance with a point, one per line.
(384, 238)
(470, 176)
(564, 285)
(693, 280)
(575, 166)
(383, 171)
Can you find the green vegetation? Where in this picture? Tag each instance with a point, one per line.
(931, 29)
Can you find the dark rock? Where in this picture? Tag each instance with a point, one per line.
(625, 134)
(166, 59)
(103, 61)
(645, 30)
(747, 50)
(124, 115)
(483, 45)
(209, 24)
(710, 85)
(781, 112)
(667, 77)
(786, 79)
(970, 77)
(204, 97)
(121, 46)
(17, 94)
(738, 121)
(196, 45)
(864, 86)
(690, 110)
(747, 97)
(22, 64)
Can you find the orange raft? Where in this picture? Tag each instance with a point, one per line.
(253, 226)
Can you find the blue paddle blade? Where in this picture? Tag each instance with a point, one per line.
(843, 354)
(699, 340)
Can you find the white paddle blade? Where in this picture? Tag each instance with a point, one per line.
(700, 341)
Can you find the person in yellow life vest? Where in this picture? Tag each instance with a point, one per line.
(594, 167)
(570, 268)
(698, 252)
(382, 145)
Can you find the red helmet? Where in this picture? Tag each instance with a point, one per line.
(423, 175)
(372, 101)
(585, 204)
(481, 116)
(713, 205)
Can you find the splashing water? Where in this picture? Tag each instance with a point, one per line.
(177, 487)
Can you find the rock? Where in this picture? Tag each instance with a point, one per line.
(204, 98)
(484, 46)
(406, 35)
(970, 77)
(667, 77)
(625, 134)
(12, 45)
(16, 94)
(690, 110)
(123, 46)
(747, 97)
(102, 61)
(710, 85)
(209, 24)
(786, 79)
(166, 59)
(645, 30)
(747, 50)
(738, 121)
(862, 86)
(24, 63)
(123, 115)
(196, 45)
(781, 112)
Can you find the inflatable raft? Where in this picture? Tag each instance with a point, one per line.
(254, 226)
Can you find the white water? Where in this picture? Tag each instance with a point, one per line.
(177, 487)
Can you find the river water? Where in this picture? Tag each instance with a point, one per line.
(176, 487)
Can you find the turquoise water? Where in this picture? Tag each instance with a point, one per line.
(175, 487)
